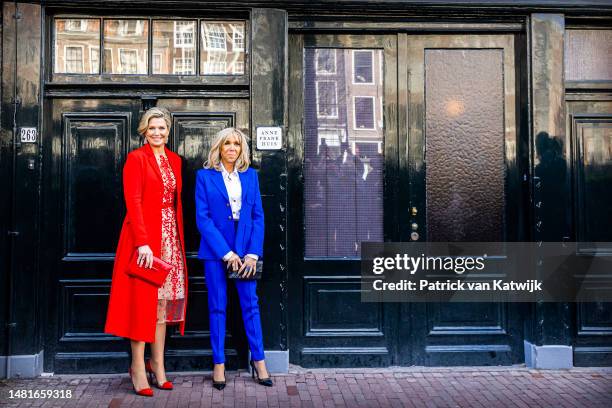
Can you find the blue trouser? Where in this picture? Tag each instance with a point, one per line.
(216, 281)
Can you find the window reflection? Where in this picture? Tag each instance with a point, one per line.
(343, 157)
(125, 46)
(223, 48)
(76, 46)
(362, 67)
(174, 47)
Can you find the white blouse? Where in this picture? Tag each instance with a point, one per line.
(234, 192)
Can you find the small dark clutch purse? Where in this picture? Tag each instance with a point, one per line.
(234, 275)
(156, 275)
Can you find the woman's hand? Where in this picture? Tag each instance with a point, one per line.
(249, 265)
(234, 262)
(145, 257)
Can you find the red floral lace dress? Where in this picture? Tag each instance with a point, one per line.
(171, 295)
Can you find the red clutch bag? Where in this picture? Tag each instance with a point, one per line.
(156, 275)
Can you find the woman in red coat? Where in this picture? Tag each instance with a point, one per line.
(153, 226)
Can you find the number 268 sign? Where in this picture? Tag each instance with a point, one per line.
(28, 134)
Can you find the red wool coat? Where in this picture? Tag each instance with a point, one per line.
(132, 307)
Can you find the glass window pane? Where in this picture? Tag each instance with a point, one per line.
(327, 99)
(588, 55)
(222, 48)
(174, 47)
(326, 61)
(362, 67)
(343, 166)
(125, 46)
(464, 147)
(364, 112)
(594, 179)
(77, 46)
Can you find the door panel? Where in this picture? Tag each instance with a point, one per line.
(85, 148)
(589, 126)
(465, 185)
(342, 158)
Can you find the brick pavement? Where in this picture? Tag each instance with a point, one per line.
(484, 387)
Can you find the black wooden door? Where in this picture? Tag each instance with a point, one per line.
(448, 169)
(86, 144)
(589, 127)
(465, 165)
(343, 163)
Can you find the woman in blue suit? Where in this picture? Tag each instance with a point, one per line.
(230, 218)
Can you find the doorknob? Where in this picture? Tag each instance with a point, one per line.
(413, 211)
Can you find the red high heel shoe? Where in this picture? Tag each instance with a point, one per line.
(145, 392)
(165, 386)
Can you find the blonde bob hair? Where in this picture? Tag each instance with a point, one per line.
(214, 156)
(150, 114)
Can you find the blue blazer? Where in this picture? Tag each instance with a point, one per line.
(214, 216)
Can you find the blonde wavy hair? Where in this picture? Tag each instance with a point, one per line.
(153, 113)
(214, 156)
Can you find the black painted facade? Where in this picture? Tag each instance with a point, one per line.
(55, 274)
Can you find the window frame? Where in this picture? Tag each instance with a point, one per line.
(135, 50)
(161, 60)
(91, 59)
(354, 52)
(182, 44)
(230, 77)
(206, 31)
(373, 98)
(319, 116)
(82, 28)
(242, 33)
(75, 46)
(318, 72)
(122, 28)
(174, 63)
(210, 61)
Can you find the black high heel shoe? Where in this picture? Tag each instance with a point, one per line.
(219, 385)
(262, 381)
